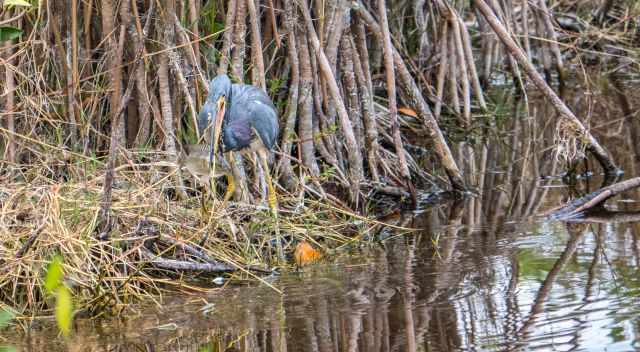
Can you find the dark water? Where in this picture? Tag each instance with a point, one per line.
(536, 286)
(484, 274)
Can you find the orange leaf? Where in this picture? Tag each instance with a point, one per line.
(408, 112)
(305, 254)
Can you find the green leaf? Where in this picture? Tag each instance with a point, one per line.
(9, 33)
(6, 315)
(64, 310)
(53, 277)
(7, 349)
(17, 3)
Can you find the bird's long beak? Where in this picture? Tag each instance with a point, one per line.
(215, 132)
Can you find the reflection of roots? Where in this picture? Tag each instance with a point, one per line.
(568, 142)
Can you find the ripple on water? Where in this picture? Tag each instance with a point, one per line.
(515, 294)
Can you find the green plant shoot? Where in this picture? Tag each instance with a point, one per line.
(64, 303)
(53, 277)
(64, 310)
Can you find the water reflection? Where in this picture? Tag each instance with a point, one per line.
(551, 286)
(484, 274)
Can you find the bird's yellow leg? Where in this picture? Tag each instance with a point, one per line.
(272, 197)
(273, 201)
(231, 187)
(212, 181)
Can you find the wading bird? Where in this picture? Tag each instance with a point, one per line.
(246, 119)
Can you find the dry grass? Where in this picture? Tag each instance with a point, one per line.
(53, 209)
(50, 197)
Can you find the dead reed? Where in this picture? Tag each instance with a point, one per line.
(98, 99)
(156, 242)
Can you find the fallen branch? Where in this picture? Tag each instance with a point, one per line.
(594, 199)
(144, 229)
(608, 217)
(173, 264)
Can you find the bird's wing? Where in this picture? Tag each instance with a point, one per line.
(264, 120)
(252, 109)
(238, 134)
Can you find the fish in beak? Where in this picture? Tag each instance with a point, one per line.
(215, 132)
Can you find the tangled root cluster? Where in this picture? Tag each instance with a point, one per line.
(569, 142)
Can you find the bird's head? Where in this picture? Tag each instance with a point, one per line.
(214, 111)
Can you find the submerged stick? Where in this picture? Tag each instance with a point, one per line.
(595, 199)
(608, 217)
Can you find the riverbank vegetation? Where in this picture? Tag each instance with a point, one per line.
(378, 100)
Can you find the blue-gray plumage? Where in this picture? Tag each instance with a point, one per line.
(248, 111)
(245, 118)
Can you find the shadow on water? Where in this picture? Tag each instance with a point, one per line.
(482, 274)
